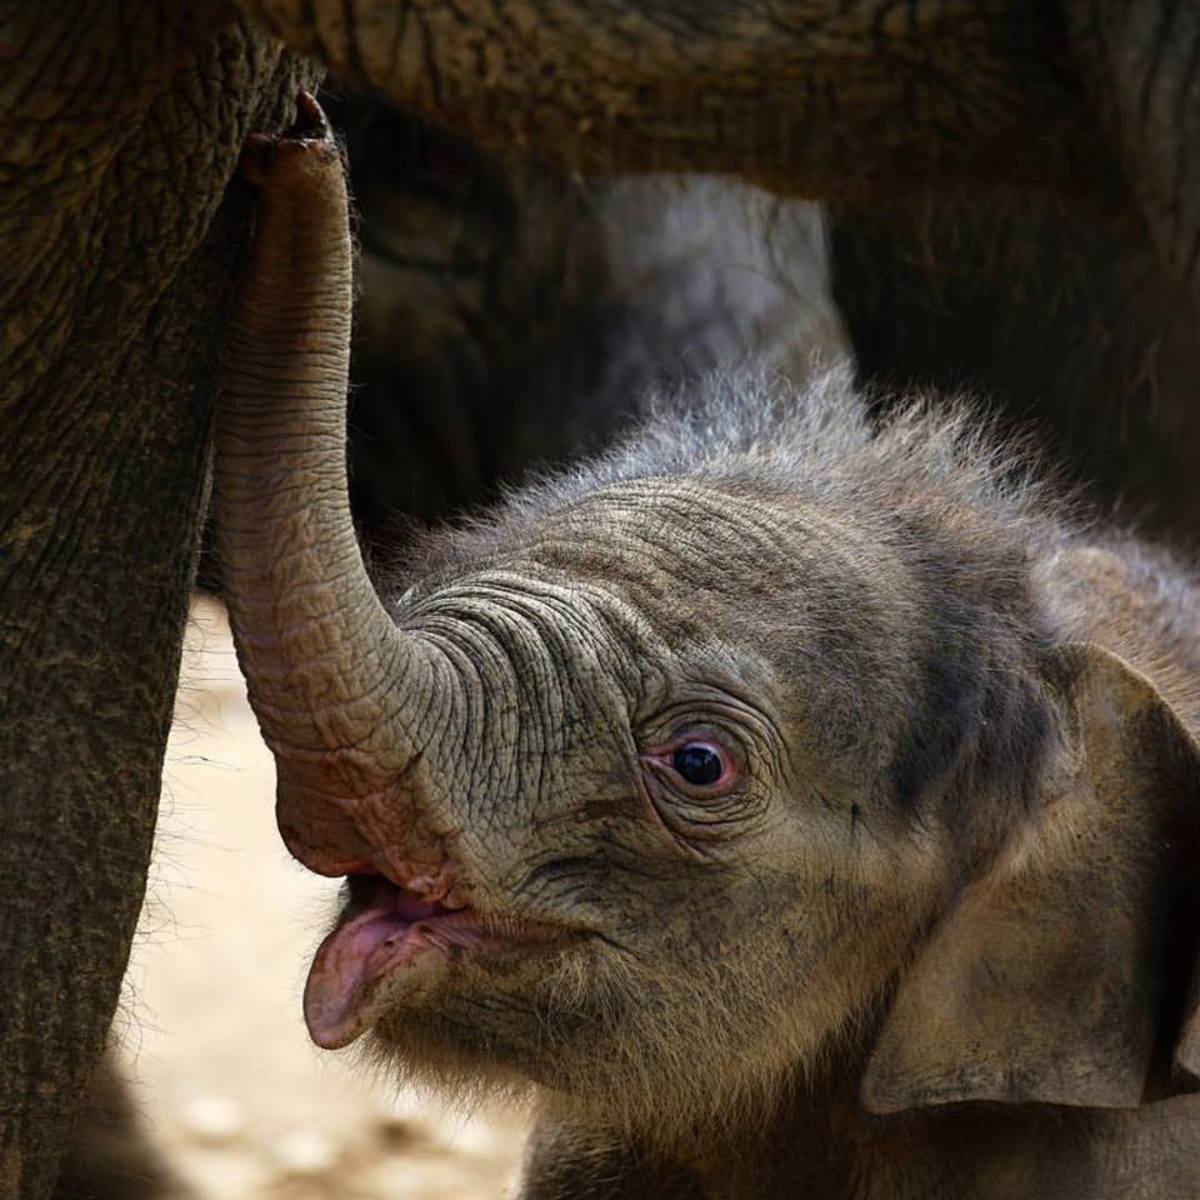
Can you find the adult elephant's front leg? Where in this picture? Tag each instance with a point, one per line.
(120, 123)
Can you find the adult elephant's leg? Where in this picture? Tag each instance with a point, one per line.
(1061, 317)
(1141, 62)
(120, 123)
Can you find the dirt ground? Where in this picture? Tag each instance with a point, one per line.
(211, 1030)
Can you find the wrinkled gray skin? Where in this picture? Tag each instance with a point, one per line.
(122, 124)
(927, 929)
(122, 121)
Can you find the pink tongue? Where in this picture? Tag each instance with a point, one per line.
(350, 962)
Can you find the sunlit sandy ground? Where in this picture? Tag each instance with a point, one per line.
(211, 1029)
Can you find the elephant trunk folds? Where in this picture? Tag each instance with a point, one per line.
(323, 661)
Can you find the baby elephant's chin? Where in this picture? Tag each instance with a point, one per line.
(390, 947)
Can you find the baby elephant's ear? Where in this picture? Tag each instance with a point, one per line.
(1065, 973)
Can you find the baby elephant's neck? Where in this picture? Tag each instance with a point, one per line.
(825, 1147)
(822, 1145)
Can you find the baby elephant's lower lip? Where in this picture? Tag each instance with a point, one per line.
(386, 929)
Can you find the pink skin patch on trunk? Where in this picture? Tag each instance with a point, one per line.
(384, 928)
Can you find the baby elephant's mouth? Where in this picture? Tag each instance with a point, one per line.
(382, 928)
(385, 928)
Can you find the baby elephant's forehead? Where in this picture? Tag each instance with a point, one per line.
(672, 513)
(666, 528)
(665, 565)
(720, 539)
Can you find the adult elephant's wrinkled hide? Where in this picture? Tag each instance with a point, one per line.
(122, 124)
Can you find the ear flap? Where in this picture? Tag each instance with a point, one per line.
(1063, 969)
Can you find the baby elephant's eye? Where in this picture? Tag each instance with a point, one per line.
(698, 763)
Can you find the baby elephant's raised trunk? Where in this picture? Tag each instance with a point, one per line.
(323, 661)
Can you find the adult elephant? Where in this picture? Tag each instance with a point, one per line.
(1015, 184)
(122, 121)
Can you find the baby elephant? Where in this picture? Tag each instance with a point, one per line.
(795, 811)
